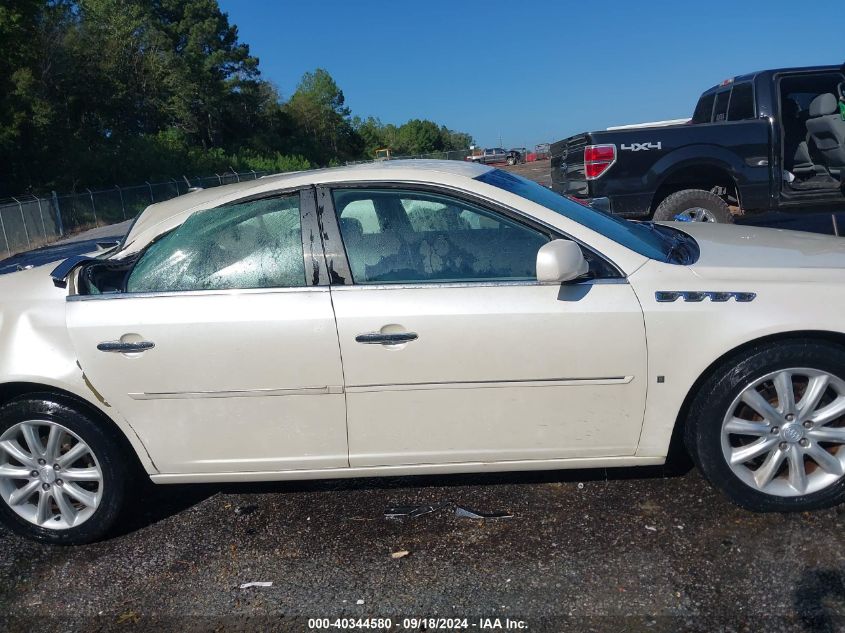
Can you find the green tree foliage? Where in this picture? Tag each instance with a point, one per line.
(96, 92)
(410, 139)
(318, 109)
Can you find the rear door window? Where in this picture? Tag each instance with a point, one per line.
(720, 111)
(256, 244)
(704, 109)
(741, 105)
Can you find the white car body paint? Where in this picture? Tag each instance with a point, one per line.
(270, 384)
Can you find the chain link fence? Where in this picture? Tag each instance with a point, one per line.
(28, 221)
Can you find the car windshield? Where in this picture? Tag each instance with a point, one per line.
(651, 240)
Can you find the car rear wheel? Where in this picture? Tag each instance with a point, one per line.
(693, 205)
(768, 427)
(511, 160)
(62, 476)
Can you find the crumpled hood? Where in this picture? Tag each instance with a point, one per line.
(763, 253)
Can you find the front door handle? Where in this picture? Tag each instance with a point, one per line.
(125, 348)
(382, 338)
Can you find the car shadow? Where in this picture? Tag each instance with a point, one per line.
(161, 502)
(819, 600)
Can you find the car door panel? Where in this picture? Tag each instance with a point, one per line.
(498, 372)
(236, 380)
(491, 366)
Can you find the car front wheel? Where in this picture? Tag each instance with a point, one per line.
(768, 427)
(62, 475)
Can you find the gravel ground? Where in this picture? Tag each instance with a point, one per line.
(624, 550)
(628, 550)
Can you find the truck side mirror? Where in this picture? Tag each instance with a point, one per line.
(560, 261)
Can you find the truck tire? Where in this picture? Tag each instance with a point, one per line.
(693, 205)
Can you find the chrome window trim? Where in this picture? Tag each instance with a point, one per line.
(477, 284)
(197, 293)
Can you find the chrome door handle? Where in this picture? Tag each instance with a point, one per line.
(125, 348)
(381, 338)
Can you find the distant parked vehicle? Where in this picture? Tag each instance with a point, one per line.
(542, 151)
(496, 155)
(770, 140)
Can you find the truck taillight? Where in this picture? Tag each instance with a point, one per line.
(598, 159)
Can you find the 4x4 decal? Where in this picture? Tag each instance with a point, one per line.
(640, 147)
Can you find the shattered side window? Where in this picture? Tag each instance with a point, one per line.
(254, 244)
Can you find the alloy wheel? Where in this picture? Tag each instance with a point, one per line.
(784, 434)
(48, 475)
(696, 214)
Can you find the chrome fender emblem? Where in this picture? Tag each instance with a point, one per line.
(696, 296)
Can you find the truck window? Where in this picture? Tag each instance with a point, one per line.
(800, 156)
(704, 109)
(720, 111)
(802, 89)
(741, 105)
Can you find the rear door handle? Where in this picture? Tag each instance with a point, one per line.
(381, 338)
(125, 348)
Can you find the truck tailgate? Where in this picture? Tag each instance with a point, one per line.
(567, 166)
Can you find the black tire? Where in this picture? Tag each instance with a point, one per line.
(703, 428)
(110, 455)
(682, 201)
(511, 160)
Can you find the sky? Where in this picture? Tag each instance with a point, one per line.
(532, 71)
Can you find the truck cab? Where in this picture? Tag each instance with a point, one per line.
(770, 140)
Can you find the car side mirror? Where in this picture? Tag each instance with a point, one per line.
(560, 261)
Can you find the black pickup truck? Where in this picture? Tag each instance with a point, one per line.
(770, 140)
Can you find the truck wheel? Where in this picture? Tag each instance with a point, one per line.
(511, 160)
(693, 205)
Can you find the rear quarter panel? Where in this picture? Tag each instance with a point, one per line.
(35, 346)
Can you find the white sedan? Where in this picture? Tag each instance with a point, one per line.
(416, 317)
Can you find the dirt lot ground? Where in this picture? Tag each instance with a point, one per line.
(538, 171)
(632, 550)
